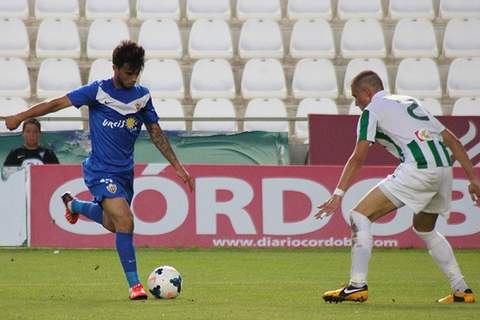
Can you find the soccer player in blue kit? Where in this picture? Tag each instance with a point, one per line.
(117, 109)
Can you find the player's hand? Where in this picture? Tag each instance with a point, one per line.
(186, 178)
(328, 207)
(12, 122)
(474, 190)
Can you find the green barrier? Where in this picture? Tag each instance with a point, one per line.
(239, 148)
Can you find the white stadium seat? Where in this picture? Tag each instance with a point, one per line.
(418, 77)
(312, 106)
(161, 39)
(57, 76)
(14, 41)
(9, 106)
(14, 9)
(208, 9)
(163, 78)
(399, 9)
(260, 39)
(462, 38)
(169, 108)
(100, 69)
(212, 78)
(309, 9)
(66, 9)
(312, 38)
(210, 39)
(414, 38)
(459, 8)
(266, 108)
(104, 35)
(263, 78)
(58, 38)
(355, 66)
(15, 80)
(214, 108)
(347, 9)
(154, 9)
(62, 125)
(464, 78)
(466, 107)
(107, 9)
(314, 78)
(432, 105)
(355, 43)
(255, 9)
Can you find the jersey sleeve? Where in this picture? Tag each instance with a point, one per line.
(85, 95)
(367, 126)
(11, 160)
(148, 114)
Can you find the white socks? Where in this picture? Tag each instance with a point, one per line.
(442, 254)
(362, 243)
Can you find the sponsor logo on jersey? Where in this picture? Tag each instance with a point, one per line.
(130, 123)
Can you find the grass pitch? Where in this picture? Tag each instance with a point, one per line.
(228, 284)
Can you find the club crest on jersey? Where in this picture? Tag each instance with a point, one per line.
(112, 187)
(423, 135)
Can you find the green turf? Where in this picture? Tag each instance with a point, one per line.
(228, 284)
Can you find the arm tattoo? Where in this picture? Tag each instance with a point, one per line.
(160, 140)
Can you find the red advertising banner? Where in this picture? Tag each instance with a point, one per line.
(327, 151)
(236, 206)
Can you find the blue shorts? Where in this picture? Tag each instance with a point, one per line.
(107, 185)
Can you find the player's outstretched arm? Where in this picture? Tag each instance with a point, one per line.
(37, 110)
(461, 156)
(160, 140)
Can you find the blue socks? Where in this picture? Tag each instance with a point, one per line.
(91, 210)
(126, 252)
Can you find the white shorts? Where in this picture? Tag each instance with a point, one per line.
(422, 190)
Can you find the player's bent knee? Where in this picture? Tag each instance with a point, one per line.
(360, 223)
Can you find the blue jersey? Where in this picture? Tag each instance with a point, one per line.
(115, 117)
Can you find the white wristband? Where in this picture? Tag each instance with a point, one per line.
(338, 192)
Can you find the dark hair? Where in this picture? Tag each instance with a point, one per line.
(369, 79)
(129, 52)
(33, 121)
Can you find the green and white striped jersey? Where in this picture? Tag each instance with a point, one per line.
(405, 129)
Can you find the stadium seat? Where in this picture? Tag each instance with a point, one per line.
(414, 38)
(66, 9)
(100, 69)
(9, 106)
(58, 38)
(266, 108)
(14, 9)
(14, 41)
(161, 39)
(169, 108)
(314, 78)
(464, 78)
(312, 38)
(418, 77)
(15, 81)
(309, 9)
(163, 78)
(210, 39)
(57, 76)
(355, 66)
(104, 35)
(263, 78)
(107, 9)
(355, 43)
(254, 9)
(348, 9)
(462, 38)
(449, 9)
(312, 106)
(466, 107)
(208, 9)
(214, 108)
(212, 78)
(432, 105)
(154, 9)
(260, 39)
(62, 125)
(400, 9)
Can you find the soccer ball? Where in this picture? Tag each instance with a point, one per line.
(165, 282)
